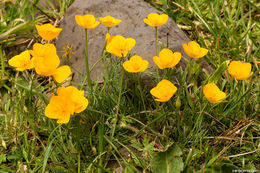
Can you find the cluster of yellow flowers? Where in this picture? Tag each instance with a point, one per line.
(70, 100)
(46, 62)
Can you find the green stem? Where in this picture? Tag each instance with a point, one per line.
(141, 92)
(156, 30)
(156, 53)
(86, 63)
(2, 63)
(101, 141)
(119, 99)
(69, 63)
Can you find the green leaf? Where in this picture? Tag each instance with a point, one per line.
(168, 161)
(218, 73)
(2, 158)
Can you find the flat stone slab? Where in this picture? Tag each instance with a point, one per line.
(132, 13)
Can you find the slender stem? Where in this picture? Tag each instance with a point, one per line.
(86, 63)
(119, 99)
(141, 92)
(2, 63)
(69, 63)
(156, 53)
(101, 141)
(156, 30)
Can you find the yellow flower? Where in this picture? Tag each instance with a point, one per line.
(155, 20)
(69, 100)
(240, 70)
(46, 62)
(109, 21)
(87, 21)
(119, 46)
(135, 64)
(213, 93)
(194, 50)
(167, 59)
(67, 51)
(48, 31)
(22, 61)
(163, 91)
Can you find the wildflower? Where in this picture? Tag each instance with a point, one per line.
(22, 61)
(67, 51)
(240, 70)
(87, 21)
(163, 91)
(48, 31)
(167, 59)
(109, 38)
(46, 62)
(109, 21)
(119, 46)
(135, 64)
(155, 20)
(213, 93)
(194, 50)
(69, 100)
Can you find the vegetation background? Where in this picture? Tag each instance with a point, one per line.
(187, 132)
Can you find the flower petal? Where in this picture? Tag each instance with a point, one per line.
(62, 73)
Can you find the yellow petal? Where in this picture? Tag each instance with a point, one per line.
(62, 73)
(55, 108)
(48, 31)
(64, 119)
(79, 20)
(127, 65)
(176, 57)
(147, 22)
(163, 19)
(186, 49)
(144, 66)
(157, 62)
(22, 61)
(130, 43)
(203, 52)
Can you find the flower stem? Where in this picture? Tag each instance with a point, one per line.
(119, 99)
(156, 53)
(2, 63)
(141, 92)
(86, 63)
(101, 141)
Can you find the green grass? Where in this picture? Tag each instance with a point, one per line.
(209, 137)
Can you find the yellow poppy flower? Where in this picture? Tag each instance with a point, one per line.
(87, 21)
(69, 100)
(167, 59)
(119, 46)
(109, 21)
(163, 91)
(22, 61)
(194, 50)
(240, 70)
(135, 64)
(46, 62)
(59, 108)
(155, 20)
(213, 93)
(48, 31)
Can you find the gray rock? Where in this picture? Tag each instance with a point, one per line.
(132, 13)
